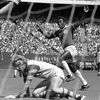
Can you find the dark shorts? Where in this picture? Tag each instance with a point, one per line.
(74, 67)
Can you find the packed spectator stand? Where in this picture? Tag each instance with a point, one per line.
(27, 39)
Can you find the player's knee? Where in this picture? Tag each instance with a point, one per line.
(78, 73)
(35, 95)
(55, 89)
(38, 95)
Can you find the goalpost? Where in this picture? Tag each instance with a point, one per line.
(83, 2)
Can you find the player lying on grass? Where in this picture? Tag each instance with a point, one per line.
(7, 7)
(53, 77)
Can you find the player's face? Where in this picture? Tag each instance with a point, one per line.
(61, 23)
(20, 65)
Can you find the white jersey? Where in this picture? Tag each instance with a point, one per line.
(46, 70)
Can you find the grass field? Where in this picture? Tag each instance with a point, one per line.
(10, 85)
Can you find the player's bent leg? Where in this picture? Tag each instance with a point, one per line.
(40, 89)
(73, 67)
(43, 95)
(65, 56)
(39, 94)
(69, 94)
(55, 86)
(66, 67)
(82, 79)
(56, 83)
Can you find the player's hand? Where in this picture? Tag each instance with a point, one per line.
(10, 97)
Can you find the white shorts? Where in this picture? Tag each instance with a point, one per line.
(72, 49)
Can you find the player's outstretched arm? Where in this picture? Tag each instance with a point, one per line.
(27, 81)
(7, 7)
(46, 33)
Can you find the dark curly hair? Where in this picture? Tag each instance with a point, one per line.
(17, 58)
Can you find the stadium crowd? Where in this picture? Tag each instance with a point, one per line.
(26, 37)
(92, 38)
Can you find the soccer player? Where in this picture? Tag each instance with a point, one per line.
(53, 78)
(65, 36)
(7, 7)
(98, 60)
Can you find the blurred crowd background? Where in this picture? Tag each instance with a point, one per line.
(24, 36)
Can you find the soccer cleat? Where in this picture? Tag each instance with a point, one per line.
(69, 78)
(81, 97)
(83, 87)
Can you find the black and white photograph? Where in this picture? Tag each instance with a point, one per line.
(49, 49)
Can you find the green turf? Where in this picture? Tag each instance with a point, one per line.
(14, 85)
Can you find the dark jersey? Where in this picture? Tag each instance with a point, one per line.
(64, 35)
